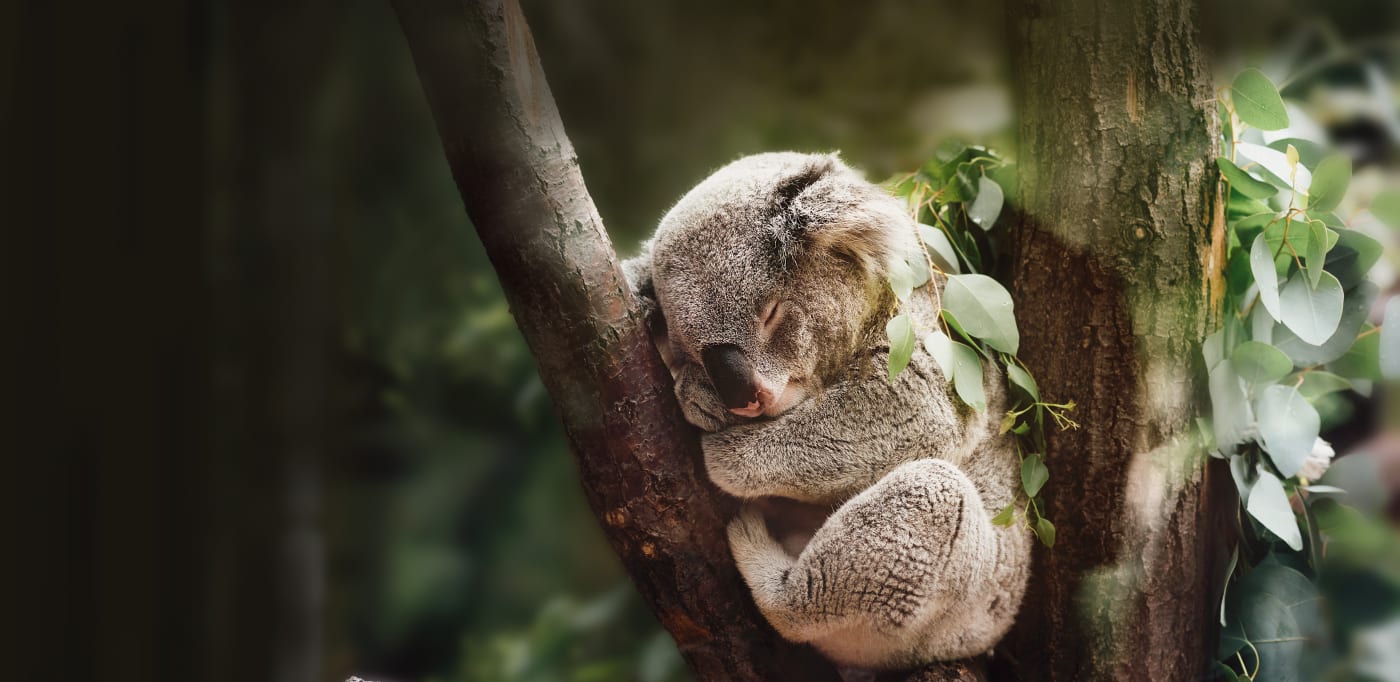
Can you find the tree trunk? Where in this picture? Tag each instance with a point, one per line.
(639, 461)
(1117, 278)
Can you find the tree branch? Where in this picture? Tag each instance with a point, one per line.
(639, 462)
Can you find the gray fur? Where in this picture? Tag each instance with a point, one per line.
(908, 568)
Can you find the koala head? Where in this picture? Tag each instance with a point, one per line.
(770, 276)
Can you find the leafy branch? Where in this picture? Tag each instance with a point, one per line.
(975, 321)
(1295, 337)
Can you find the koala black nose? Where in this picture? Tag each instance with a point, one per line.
(731, 374)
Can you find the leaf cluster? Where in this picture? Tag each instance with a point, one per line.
(957, 201)
(1295, 336)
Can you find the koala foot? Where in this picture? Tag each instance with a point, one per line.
(906, 572)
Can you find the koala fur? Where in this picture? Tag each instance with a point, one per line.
(781, 260)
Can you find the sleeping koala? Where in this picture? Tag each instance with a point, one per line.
(767, 296)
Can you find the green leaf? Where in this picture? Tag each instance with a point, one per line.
(941, 348)
(1389, 351)
(902, 279)
(964, 182)
(1045, 531)
(983, 308)
(1318, 383)
(1268, 503)
(1386, 207)
(1244, 183)
(941, 250)
(1260, 363)
(1355, 309)
(1257, 101)
(987, 206)
(1261, 325)
(1023, 380)
(1362, 360)
(967, 376)
(1261, 263)
(1275, 166)
(901, 332)
(1033, 475)
(1232, 418)
(1288, 426)
(1311, 313)
(1248, 227)
(1352, 257)
(1006, 516)
(1317, 251)
(1329, 182)
(1309, 153)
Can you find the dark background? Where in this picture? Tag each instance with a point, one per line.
(271, 418)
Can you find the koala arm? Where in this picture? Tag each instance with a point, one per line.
(846, 438)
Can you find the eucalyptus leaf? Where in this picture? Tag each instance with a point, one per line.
(1257, 101)
(1231, 414)
(1261, 263)
(941, 348)
(1353, 256)
(941, 250)
(1329, 182)
(1244, 183)
(967, 376)
(1317, 251)
(1005, 516)
(1309, 152)
(1362, 360)
(1260, 363)
(1023, 380)
(902, 279)
(1033, 475)
(983, 308)
(1355, 308)
(987, 206)
(1246, 228)
(1261, 325)
(1389, 352)
(1045, 531)
(919, 266)
(1275, 168)
(1318, 383)
(1288, 426)
(1268, 504)
(901, 333)
(1311, 312)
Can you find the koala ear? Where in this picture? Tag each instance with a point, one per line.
(834, 211)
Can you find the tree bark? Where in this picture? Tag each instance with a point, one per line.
(639, 462)
(1117, 278)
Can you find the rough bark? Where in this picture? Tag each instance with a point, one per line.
(1117, 280)
(520, 181)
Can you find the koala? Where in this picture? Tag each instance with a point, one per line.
(766, 292)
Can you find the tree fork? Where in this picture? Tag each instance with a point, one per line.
(1117, 278)
(639, 461)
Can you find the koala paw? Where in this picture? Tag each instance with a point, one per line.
(698, 400)
(755, 550)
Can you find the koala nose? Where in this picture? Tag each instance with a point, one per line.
(732, 375)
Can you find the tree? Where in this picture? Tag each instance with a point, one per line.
(639, 462)
(1117, 279)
